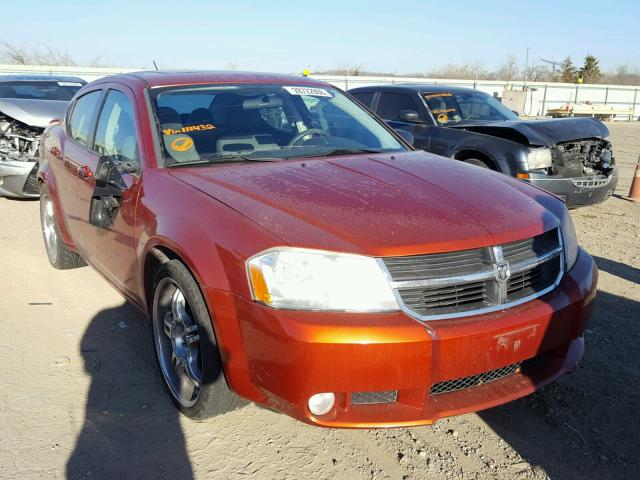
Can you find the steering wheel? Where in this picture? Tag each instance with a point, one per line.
(317, 132)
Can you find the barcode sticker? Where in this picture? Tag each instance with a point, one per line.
(311, 91)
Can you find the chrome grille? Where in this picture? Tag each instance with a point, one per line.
(456, 384)
(468, 282)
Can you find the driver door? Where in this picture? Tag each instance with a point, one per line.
(112, 249)
(391, 104)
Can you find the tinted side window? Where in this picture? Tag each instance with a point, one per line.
(116, 133)
(83, 117)
(366, 98)
(391, 104)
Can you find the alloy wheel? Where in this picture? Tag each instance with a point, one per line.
(177, 342)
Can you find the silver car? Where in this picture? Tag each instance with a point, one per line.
(28, 103)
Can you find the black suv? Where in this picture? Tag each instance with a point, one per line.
(571, 157)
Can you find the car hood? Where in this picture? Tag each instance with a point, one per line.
(378, 204)
(34, 113)
(541, 132)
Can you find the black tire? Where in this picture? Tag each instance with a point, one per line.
(478, 163)
(59, 255)
(214, 396)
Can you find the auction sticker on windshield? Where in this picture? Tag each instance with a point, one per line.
(314, 92)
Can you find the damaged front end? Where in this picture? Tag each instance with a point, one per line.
(19, 154)
(582, 171)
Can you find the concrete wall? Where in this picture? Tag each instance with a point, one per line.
(541, 95)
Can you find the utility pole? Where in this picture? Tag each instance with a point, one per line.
(526, 67)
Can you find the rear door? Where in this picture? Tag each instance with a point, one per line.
(112, 250)
(69, 173)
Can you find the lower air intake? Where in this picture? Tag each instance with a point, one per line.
(474, 380)
(372, 398)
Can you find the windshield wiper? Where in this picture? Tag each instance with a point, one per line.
(343, 151)
(219, 158)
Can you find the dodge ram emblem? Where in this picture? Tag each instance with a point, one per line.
(502, 271)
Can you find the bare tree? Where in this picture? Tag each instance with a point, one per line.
(623, 75)
(472, 71)
(541, 73)
(508, 70)
(39, 55)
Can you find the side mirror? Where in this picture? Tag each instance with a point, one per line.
(107, 194)
(410, 116)
(406, 136)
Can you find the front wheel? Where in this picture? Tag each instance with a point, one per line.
(59, 255)
(186, 347)
(477, 162)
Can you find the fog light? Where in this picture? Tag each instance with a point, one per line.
(321, 403)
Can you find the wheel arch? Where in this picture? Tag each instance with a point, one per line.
(156, 255)
(466, 154)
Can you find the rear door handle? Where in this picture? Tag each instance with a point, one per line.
(85, 172)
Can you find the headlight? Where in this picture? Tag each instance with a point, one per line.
(314, 280)
(539, 158)
(569, 240)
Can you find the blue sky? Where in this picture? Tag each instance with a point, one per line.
(285, 36)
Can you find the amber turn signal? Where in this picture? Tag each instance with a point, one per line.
(522, 176)
(260, 290)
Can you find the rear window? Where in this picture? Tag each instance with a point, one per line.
(40, 90)
(83, 117)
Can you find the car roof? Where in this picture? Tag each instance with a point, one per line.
(163, 78)
(418, 87)
(40, 78)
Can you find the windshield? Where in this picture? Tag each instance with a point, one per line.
(459, 108)
(39, 90)
(215, 124)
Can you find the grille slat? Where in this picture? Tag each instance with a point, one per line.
(450, 297)
(463, 282)
(434, 265)
(456, 384)
(532, 247)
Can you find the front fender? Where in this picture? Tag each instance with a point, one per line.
(509, 157)
(213, 241)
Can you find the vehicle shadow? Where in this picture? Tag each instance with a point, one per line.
(131, 428)
(583, 426)
(622, 270)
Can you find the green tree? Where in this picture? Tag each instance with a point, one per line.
(568, 72)
(590, 72)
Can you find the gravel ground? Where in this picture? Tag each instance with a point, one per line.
(81, 398)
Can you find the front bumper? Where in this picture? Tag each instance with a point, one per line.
(18, 179)
(280, 358)
(577, 192)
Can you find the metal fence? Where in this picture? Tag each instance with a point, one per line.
(541, 96)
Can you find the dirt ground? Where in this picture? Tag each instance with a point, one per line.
(81, 398)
